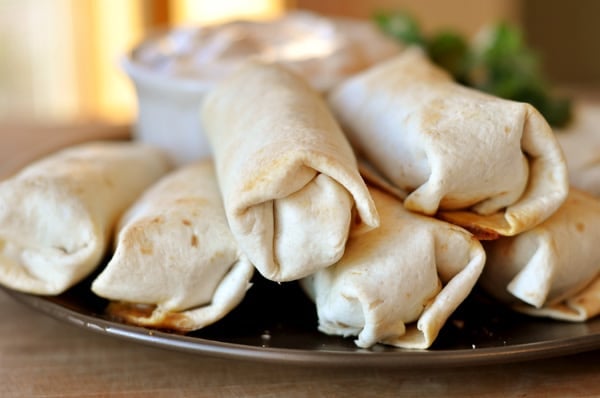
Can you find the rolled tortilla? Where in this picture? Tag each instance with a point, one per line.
(288, 176)
(580, 141)
(57, 215)
(552, 270)
(491, 165)
(399, 283)
(176, 264)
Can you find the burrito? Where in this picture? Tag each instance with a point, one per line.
(176, 264)
(399, 283)
(288, 176)
(491, 165)
(57, 215)
(552, 270)
(580, 142)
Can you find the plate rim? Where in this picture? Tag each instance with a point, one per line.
(401, 358)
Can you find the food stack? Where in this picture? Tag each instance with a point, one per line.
(388, 197)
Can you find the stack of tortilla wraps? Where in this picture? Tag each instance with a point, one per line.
(490, 165)
(389, 200)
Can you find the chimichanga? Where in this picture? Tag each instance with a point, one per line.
(399, 283)
(57, 214)
(552, 270)
(176, 264)
(288, 176)
(491, 165)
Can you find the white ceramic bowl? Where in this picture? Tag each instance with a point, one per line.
(168, 112)
(173, 71)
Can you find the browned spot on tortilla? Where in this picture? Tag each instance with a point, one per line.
(433, 114)
(264, 174)
(194, 240)
(580, 226)
(124, 310)
(193, 201)
(147, 249)
(186, 222)
(157, 220)
(471, 224)
(141, 314)
(375, 303)
(176, 322)
(347, 297)
(108, 181)
(507, 129)
(482, 233)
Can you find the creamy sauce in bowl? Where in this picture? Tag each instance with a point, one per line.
(173, 71)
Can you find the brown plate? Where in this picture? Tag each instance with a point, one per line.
(277, 323)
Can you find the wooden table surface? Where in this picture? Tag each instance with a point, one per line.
(43, 357)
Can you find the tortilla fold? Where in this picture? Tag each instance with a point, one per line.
(57, 215)
(489, 164)
(288, 176)
(176, 265)
(552, 270)
(399, 283)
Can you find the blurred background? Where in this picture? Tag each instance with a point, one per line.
(59, 58)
